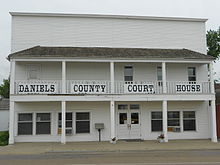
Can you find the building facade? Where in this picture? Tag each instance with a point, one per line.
(133, 77)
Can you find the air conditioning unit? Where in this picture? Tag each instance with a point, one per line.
(69, 131)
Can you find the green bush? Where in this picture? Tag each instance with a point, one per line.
(4, 138)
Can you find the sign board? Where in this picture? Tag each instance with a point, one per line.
(37, 88)
(139, 88)
(189, 88)
(88, 88)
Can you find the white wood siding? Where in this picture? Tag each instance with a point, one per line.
(100, 113)
(29, 31)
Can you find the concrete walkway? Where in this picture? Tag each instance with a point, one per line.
(121, 146)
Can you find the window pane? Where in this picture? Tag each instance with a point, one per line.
(68, 124)
(43, 116)
(189, 125)
(156, 125)
(122, 106)
(25, 117)
(69, 116)
(128, 71)
(159, 73)
(128, 78)
(173, 122)
(156, 115)
(191, 78)
(191, 74)
(82, 127)
(43, 128)
(134, 106)
(189, 114)
(82, 116)
(25, 128)
(122, 118)
(174, 114)
(134, 118)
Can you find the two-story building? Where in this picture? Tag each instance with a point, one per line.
(137, 77)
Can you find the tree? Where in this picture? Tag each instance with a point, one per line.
(213, 43)
(5, 88)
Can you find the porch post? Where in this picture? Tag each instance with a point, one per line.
(12, 104)
(63, 134)
(213, 120)
(63, 77)
(164, 79)
(165, 120)
(112, 76)
(112, 121)
(11, 122)
(212, 85)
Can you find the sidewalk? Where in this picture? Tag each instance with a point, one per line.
(121, 146)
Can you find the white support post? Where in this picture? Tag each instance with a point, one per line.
(213, 121)
(212, 85)
(12, 78)
(112, 121)
(63, 77)
(63, 133)
(165, 120)
(112, 76)
(11, 122)
(164, 79)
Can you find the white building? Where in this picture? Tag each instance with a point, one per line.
(139, 76)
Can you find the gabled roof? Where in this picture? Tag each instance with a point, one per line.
(4, 104)
(108, 53)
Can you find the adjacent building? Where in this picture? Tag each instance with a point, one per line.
(133, 77)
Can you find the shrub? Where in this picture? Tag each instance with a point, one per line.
(4, 135)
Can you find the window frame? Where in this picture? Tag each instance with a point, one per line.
(132, 73)
(90, 118)
(59, 129)
(20, 122)
(29, 68)
(192, 76)
(173, 126)
(156, 120)
(190, 119)
(44, 121)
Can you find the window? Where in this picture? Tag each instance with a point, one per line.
(33, 71)
(122, 106)
(189, 121)
(191, 74)
(128, 73)
(25, 124)
(174, 121)
(82, 122)
(134, 118)
(123, 118)
(134, 106)
(156, 121)
(69, 123)
(159, 75)
(43, 123)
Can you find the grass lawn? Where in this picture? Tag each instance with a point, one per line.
(4, 138)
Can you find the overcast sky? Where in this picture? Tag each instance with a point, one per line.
(175, 8)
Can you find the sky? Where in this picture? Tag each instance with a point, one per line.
(209, 9)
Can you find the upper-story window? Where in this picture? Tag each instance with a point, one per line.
(159, 75)
(33, 71)
(128, 73)
(191, 74)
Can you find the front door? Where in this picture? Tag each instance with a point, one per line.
(128, 123)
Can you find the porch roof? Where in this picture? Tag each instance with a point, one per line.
(109, 53)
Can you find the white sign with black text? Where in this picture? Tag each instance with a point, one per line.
(139, 88)
(88, 88)
(37, 88)
(189, 88)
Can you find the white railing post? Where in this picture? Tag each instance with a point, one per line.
(165, 120)
(63, 77)
(164, 77)
(63, 132)
(112, 77)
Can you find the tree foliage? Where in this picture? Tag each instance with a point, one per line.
(213, 43)
(5, 88)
